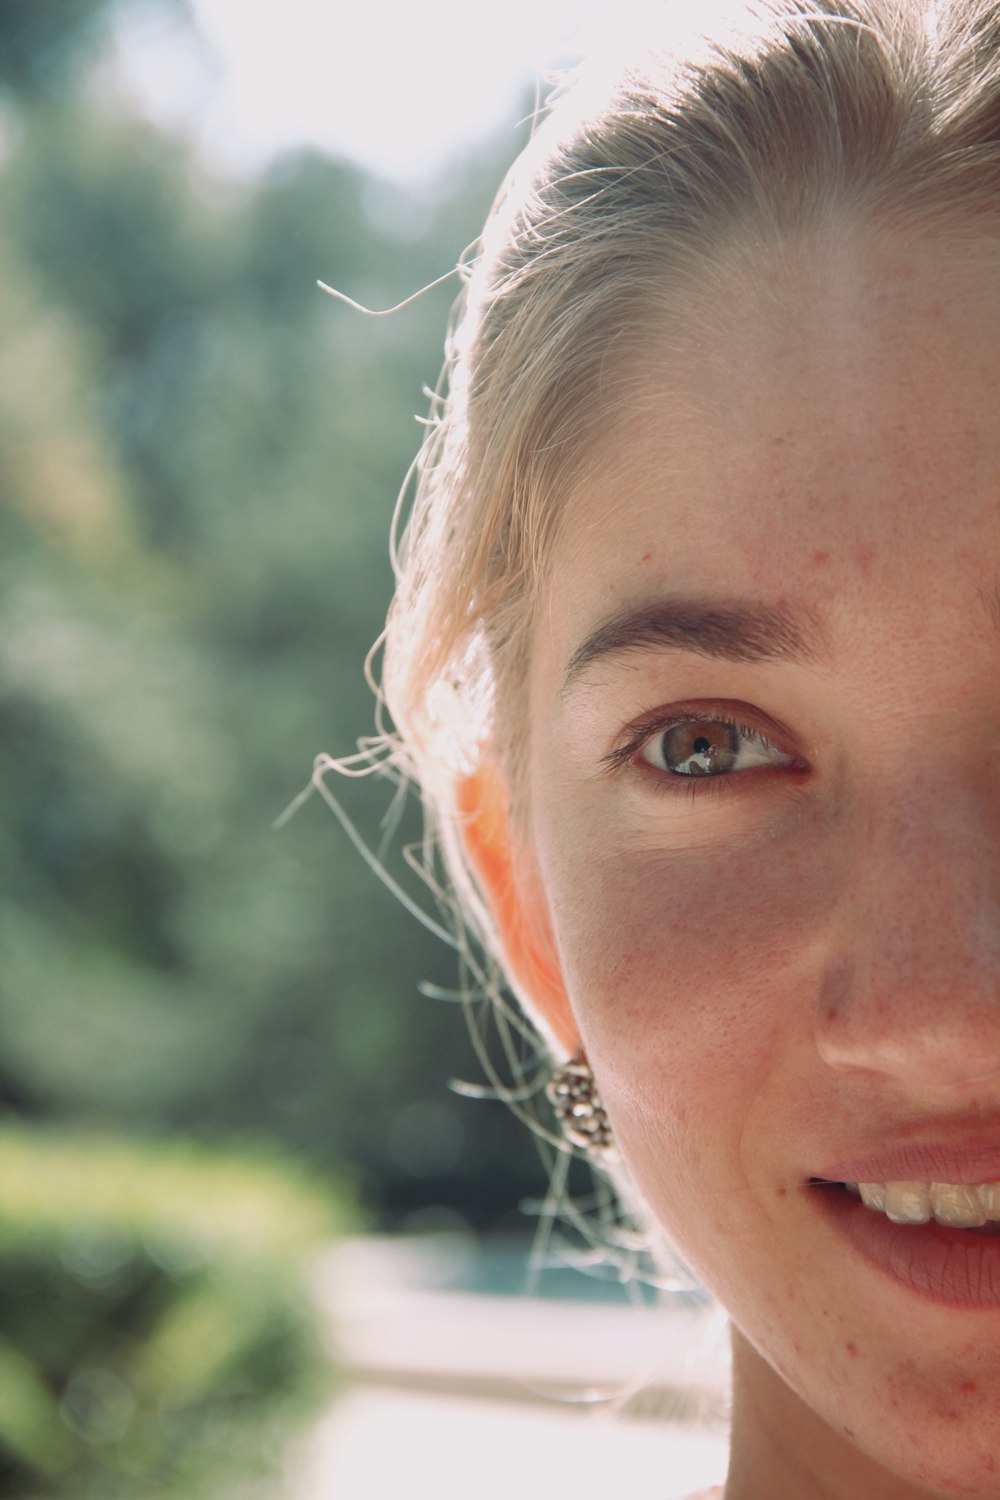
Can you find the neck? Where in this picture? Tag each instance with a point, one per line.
(780, 1446)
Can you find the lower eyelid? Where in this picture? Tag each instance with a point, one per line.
(752, 785)
(664, 784)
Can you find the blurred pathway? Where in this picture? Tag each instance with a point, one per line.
(456, 1394)
(384, 1444)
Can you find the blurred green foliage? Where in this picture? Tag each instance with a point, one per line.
(199, 456)
(158, 1339)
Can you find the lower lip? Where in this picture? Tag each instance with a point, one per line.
(948, 1266)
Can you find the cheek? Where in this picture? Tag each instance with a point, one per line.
(693, 977)
(699, 943)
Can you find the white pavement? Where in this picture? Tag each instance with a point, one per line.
(457, 1395)
(383, 1444)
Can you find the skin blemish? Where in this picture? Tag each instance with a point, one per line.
(782, 1192)
(851, 1348)
(647, 556)
(968, 1387)
(821, 558)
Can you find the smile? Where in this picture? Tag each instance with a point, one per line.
(935, 1240)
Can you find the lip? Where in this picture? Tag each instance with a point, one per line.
(952, 1267)
(970, 1163)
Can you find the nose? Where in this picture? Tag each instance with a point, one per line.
(911, 988)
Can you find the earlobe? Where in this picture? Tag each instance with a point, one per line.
(515, 899)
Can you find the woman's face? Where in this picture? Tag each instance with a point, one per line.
(782, 572)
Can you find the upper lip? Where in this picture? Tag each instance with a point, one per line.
(970, 1162)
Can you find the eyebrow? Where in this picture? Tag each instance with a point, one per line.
(741, 632)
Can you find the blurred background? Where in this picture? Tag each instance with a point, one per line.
(215, 1065)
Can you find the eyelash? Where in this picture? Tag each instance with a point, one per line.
(644, 730)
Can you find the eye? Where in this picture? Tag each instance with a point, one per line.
(710, 747)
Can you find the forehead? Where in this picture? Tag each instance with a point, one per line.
(820, 415)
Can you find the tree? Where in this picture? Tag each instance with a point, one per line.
(198, 460)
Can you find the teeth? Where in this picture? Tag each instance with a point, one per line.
(908, 1202)
(958, 1206)
(954, 1204)
(989, 1197)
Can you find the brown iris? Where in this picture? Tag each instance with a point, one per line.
(700, 749)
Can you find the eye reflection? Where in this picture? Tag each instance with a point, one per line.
(699, 749)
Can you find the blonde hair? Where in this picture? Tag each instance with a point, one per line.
(887, 111)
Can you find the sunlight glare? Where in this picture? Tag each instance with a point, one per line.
(397, 86)
(400, 88)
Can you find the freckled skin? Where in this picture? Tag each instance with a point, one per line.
(770, 973)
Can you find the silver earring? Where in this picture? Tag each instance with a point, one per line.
(573, 1094)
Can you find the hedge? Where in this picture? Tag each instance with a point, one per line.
(157, 1340)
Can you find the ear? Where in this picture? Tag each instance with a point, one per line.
(509, 882)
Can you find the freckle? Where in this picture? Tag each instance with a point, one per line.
(782, 1192)
(820, 558)
(851, 1348)
(968, 1387)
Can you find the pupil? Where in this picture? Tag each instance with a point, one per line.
(702, 746)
